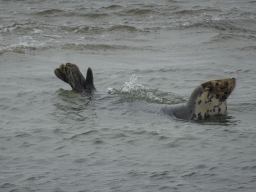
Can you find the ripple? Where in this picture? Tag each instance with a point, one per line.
(94, 15)
(248, 48)
(7, 185)
(119, 135)
(81, 160)
(123, 28)
(26, 144)
(23, 135)
(82, 134)
(98, 141)
(139, 11)
(49, 12)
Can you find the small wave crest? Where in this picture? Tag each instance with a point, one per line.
(26, 43)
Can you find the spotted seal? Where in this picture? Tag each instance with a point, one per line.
(71, 74)
(207, 99)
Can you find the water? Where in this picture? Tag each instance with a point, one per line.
(144, 55)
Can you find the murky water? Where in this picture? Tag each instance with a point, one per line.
(144, 55)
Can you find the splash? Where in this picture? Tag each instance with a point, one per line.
(131, 90)
(128, 87)
(131, 85)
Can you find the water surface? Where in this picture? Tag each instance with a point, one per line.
(144, 55)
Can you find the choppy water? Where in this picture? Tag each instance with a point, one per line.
(144, 54)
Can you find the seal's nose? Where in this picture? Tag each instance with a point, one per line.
(234, 78)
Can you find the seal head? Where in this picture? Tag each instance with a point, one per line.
(71, 74)
(207, 99)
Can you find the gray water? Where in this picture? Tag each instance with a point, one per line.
(144, 55)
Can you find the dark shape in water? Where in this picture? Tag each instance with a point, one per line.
(71, 74)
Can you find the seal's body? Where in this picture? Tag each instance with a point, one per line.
(207, 99)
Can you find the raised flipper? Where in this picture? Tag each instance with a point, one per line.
(71, 74)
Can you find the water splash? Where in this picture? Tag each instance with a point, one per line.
(131, 85)
(132, 90)
(128, 87)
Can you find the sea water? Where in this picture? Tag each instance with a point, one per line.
(144, 55)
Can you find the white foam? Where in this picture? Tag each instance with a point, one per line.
(134, 90)
(28, 41)
(131, 85)
(186, 24)
(152, 97)
(215, 18)
(111, 90)
(37, 31)
(128, 86)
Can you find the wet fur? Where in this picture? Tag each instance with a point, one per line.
(71, 74)
(207, 99)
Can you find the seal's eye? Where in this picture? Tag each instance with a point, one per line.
(217, 84)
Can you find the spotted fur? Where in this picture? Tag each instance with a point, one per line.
(207, 99)
(213, 99)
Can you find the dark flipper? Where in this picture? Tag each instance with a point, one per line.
(89, 80)
(59, 74)
(71, 74)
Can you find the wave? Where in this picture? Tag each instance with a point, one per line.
(49, 12)
(94, 15)
(82, 29)
(86, 15)
(94, 28)
(39, 41)
(64, 13)
(139, 11)
(222, 24)
(100, 30)
(224, 37)
(19, 28)
(80, 46)
(147, 20)
(248, 48)
(113, 7)
(25, 43)
(227, 37)
(123, 28)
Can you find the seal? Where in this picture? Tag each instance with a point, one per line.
(208, 99)
(71, 74)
